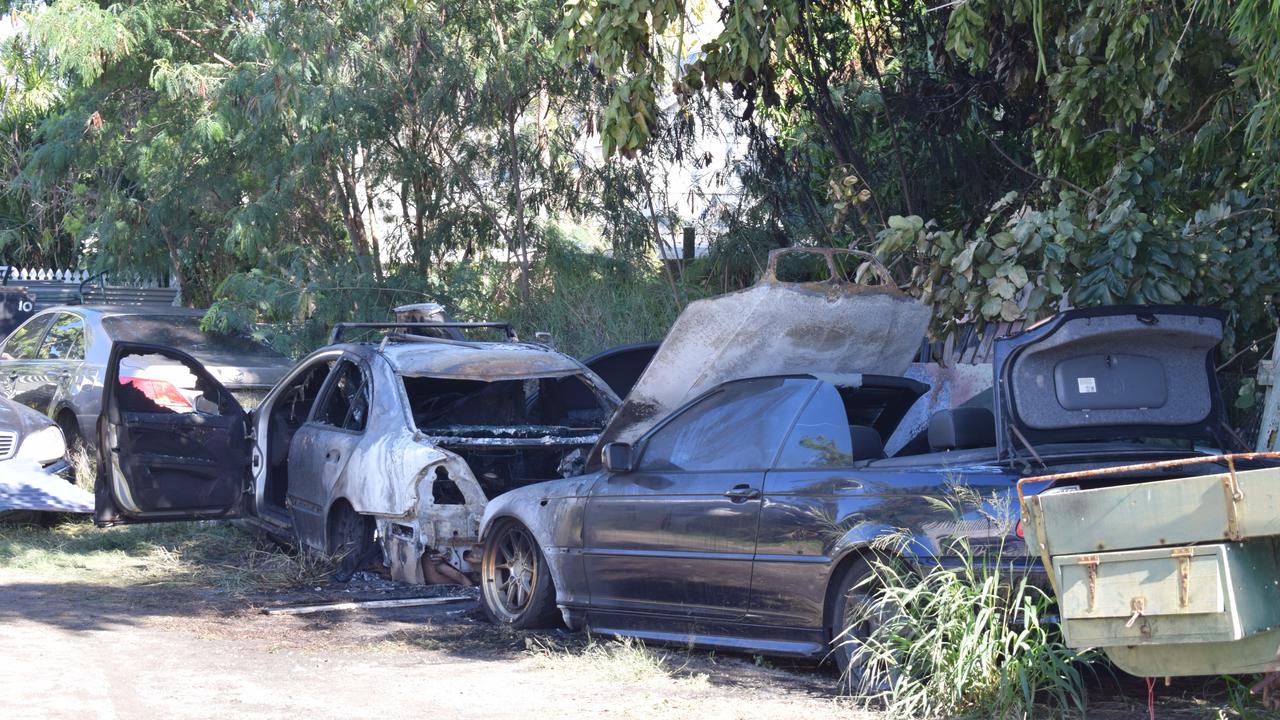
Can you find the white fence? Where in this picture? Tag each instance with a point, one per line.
(19, 275)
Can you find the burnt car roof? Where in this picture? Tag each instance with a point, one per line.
(468, 360)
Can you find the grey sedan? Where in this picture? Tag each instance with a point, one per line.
(55, 361)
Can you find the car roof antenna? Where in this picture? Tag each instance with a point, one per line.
(1026, 444)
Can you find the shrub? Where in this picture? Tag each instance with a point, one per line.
(961, 634)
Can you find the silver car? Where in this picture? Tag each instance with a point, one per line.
(389, 448)
(33, 468)
(55, 362)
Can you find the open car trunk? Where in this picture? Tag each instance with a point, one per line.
(1139, 374)
(1160, 551)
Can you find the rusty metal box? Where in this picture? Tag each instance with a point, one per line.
(1187, 594)
(1182, 511)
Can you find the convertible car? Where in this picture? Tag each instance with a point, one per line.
(732, 500)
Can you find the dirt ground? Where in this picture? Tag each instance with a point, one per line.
(118, 633)
(75, 645)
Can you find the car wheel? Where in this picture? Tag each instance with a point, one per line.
(70, 433)
(516, 584)
(849, 624)
(77, 450)
(350, 541)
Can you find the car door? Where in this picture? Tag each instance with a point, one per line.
(173, 443)
(60, 355)
(809, 496)
(321, 448)
(676, 536)
(18, 362)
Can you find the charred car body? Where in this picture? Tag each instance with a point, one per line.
(398, 442)
(732, 500)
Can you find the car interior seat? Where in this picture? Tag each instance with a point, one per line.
(962, 428)
(867, 444)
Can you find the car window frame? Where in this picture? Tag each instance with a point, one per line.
(84, 337)
(330, 384)
(4, 346)
(782, 449)
(642, 445)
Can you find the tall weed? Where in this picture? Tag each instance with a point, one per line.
(962, 634)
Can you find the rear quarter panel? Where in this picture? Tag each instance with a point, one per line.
(812, 520)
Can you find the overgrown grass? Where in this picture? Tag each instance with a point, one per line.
(210, 555)
(83, 466)
(624, 660)
(966, 637)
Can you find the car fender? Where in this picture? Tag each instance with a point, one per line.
(880, 537)
(553, 512)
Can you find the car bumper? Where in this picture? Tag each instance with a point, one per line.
(27, 485)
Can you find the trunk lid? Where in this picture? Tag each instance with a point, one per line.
(1112, 373)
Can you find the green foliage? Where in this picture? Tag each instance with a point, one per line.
(1002, 156)
(307, 163)
(967, 638)
(588, 302)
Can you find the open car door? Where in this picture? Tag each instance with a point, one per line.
(172, 443)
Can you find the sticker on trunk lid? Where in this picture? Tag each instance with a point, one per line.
(1087, 385)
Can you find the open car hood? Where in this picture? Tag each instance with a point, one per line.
(1111, 373)
(773, 328)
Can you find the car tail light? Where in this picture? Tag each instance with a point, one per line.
(160, 392)
(1019, 531)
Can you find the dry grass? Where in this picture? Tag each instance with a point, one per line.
(624, 660)
(195, 554)
(84, 466)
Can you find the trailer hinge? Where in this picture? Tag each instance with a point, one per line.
(1183, 557)
(1090, 563)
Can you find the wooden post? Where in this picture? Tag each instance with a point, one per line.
(1268, 376)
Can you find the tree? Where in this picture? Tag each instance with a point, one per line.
(1001, 155)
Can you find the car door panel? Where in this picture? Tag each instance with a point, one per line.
(673, 545)
(19, 367)
(803, 516)
(160, 462)
(322, 448)
(59, 359)
(677, 535)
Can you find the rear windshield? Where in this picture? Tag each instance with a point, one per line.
(183, 332)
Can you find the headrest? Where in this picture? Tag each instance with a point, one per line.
(867, 444)
(966, 427)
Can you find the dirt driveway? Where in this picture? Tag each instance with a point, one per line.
(105, 637)
(167, 621)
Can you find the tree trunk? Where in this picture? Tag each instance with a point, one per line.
(522, 240)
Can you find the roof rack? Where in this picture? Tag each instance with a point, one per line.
(336, 335)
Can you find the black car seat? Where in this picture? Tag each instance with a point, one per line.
(962, 428)
(867, 444)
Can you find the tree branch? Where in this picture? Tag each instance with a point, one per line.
(182, 34)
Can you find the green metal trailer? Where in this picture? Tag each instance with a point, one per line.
(1169, 577)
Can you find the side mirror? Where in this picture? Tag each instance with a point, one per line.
(617, 457)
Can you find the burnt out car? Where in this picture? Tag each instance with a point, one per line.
(388, 447)
(733, 499)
